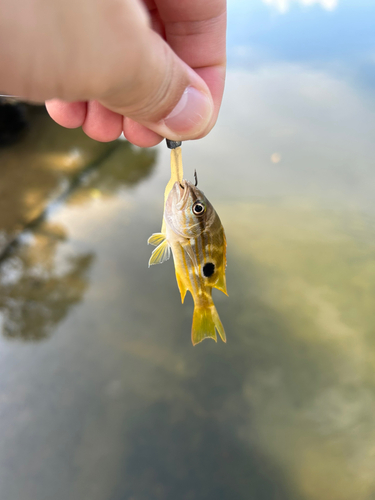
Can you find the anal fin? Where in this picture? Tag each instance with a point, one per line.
(181, 287)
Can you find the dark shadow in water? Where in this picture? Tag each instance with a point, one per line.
(13, 121)
(35, 295)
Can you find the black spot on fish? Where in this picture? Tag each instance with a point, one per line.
(208, 269)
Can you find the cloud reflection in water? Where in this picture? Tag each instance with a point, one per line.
(284, 5)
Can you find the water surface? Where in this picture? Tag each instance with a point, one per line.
(102, 395)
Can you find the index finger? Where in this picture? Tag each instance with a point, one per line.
(196, 31)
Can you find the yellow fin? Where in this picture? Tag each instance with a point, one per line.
(181, 287)
(155, 239)
(221, 283)
(160, 254)
(205, 321)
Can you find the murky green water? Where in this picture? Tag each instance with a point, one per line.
(102, 395)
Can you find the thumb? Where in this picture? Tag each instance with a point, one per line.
(162, 92)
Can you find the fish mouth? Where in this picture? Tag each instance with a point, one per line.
(183, 188)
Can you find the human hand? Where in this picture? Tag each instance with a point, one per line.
(151, 69)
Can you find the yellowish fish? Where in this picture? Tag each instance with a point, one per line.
(193, 231)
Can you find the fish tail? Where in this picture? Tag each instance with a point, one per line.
(205, 323)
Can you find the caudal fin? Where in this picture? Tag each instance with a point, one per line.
(205, 321)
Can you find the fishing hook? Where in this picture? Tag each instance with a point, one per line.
(195, 178)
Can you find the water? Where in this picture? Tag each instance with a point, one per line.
(102, 395)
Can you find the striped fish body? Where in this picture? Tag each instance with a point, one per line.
(195, 235)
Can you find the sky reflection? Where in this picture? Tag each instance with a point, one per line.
(341, 40)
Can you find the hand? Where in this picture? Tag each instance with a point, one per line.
(151, 69)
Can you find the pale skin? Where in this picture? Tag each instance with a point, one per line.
(148, 68)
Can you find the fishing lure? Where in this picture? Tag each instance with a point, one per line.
(192, 230)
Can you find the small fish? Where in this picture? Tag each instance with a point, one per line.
(193, 231)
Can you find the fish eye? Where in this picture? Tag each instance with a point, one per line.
(199, 208)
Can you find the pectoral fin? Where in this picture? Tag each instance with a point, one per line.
(155, 239)
(161, 253)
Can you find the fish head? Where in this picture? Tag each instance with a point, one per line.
(187, 211)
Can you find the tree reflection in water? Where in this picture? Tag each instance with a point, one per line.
(37, 289)
(35, 296)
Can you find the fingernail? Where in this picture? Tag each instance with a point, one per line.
(192, 113)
